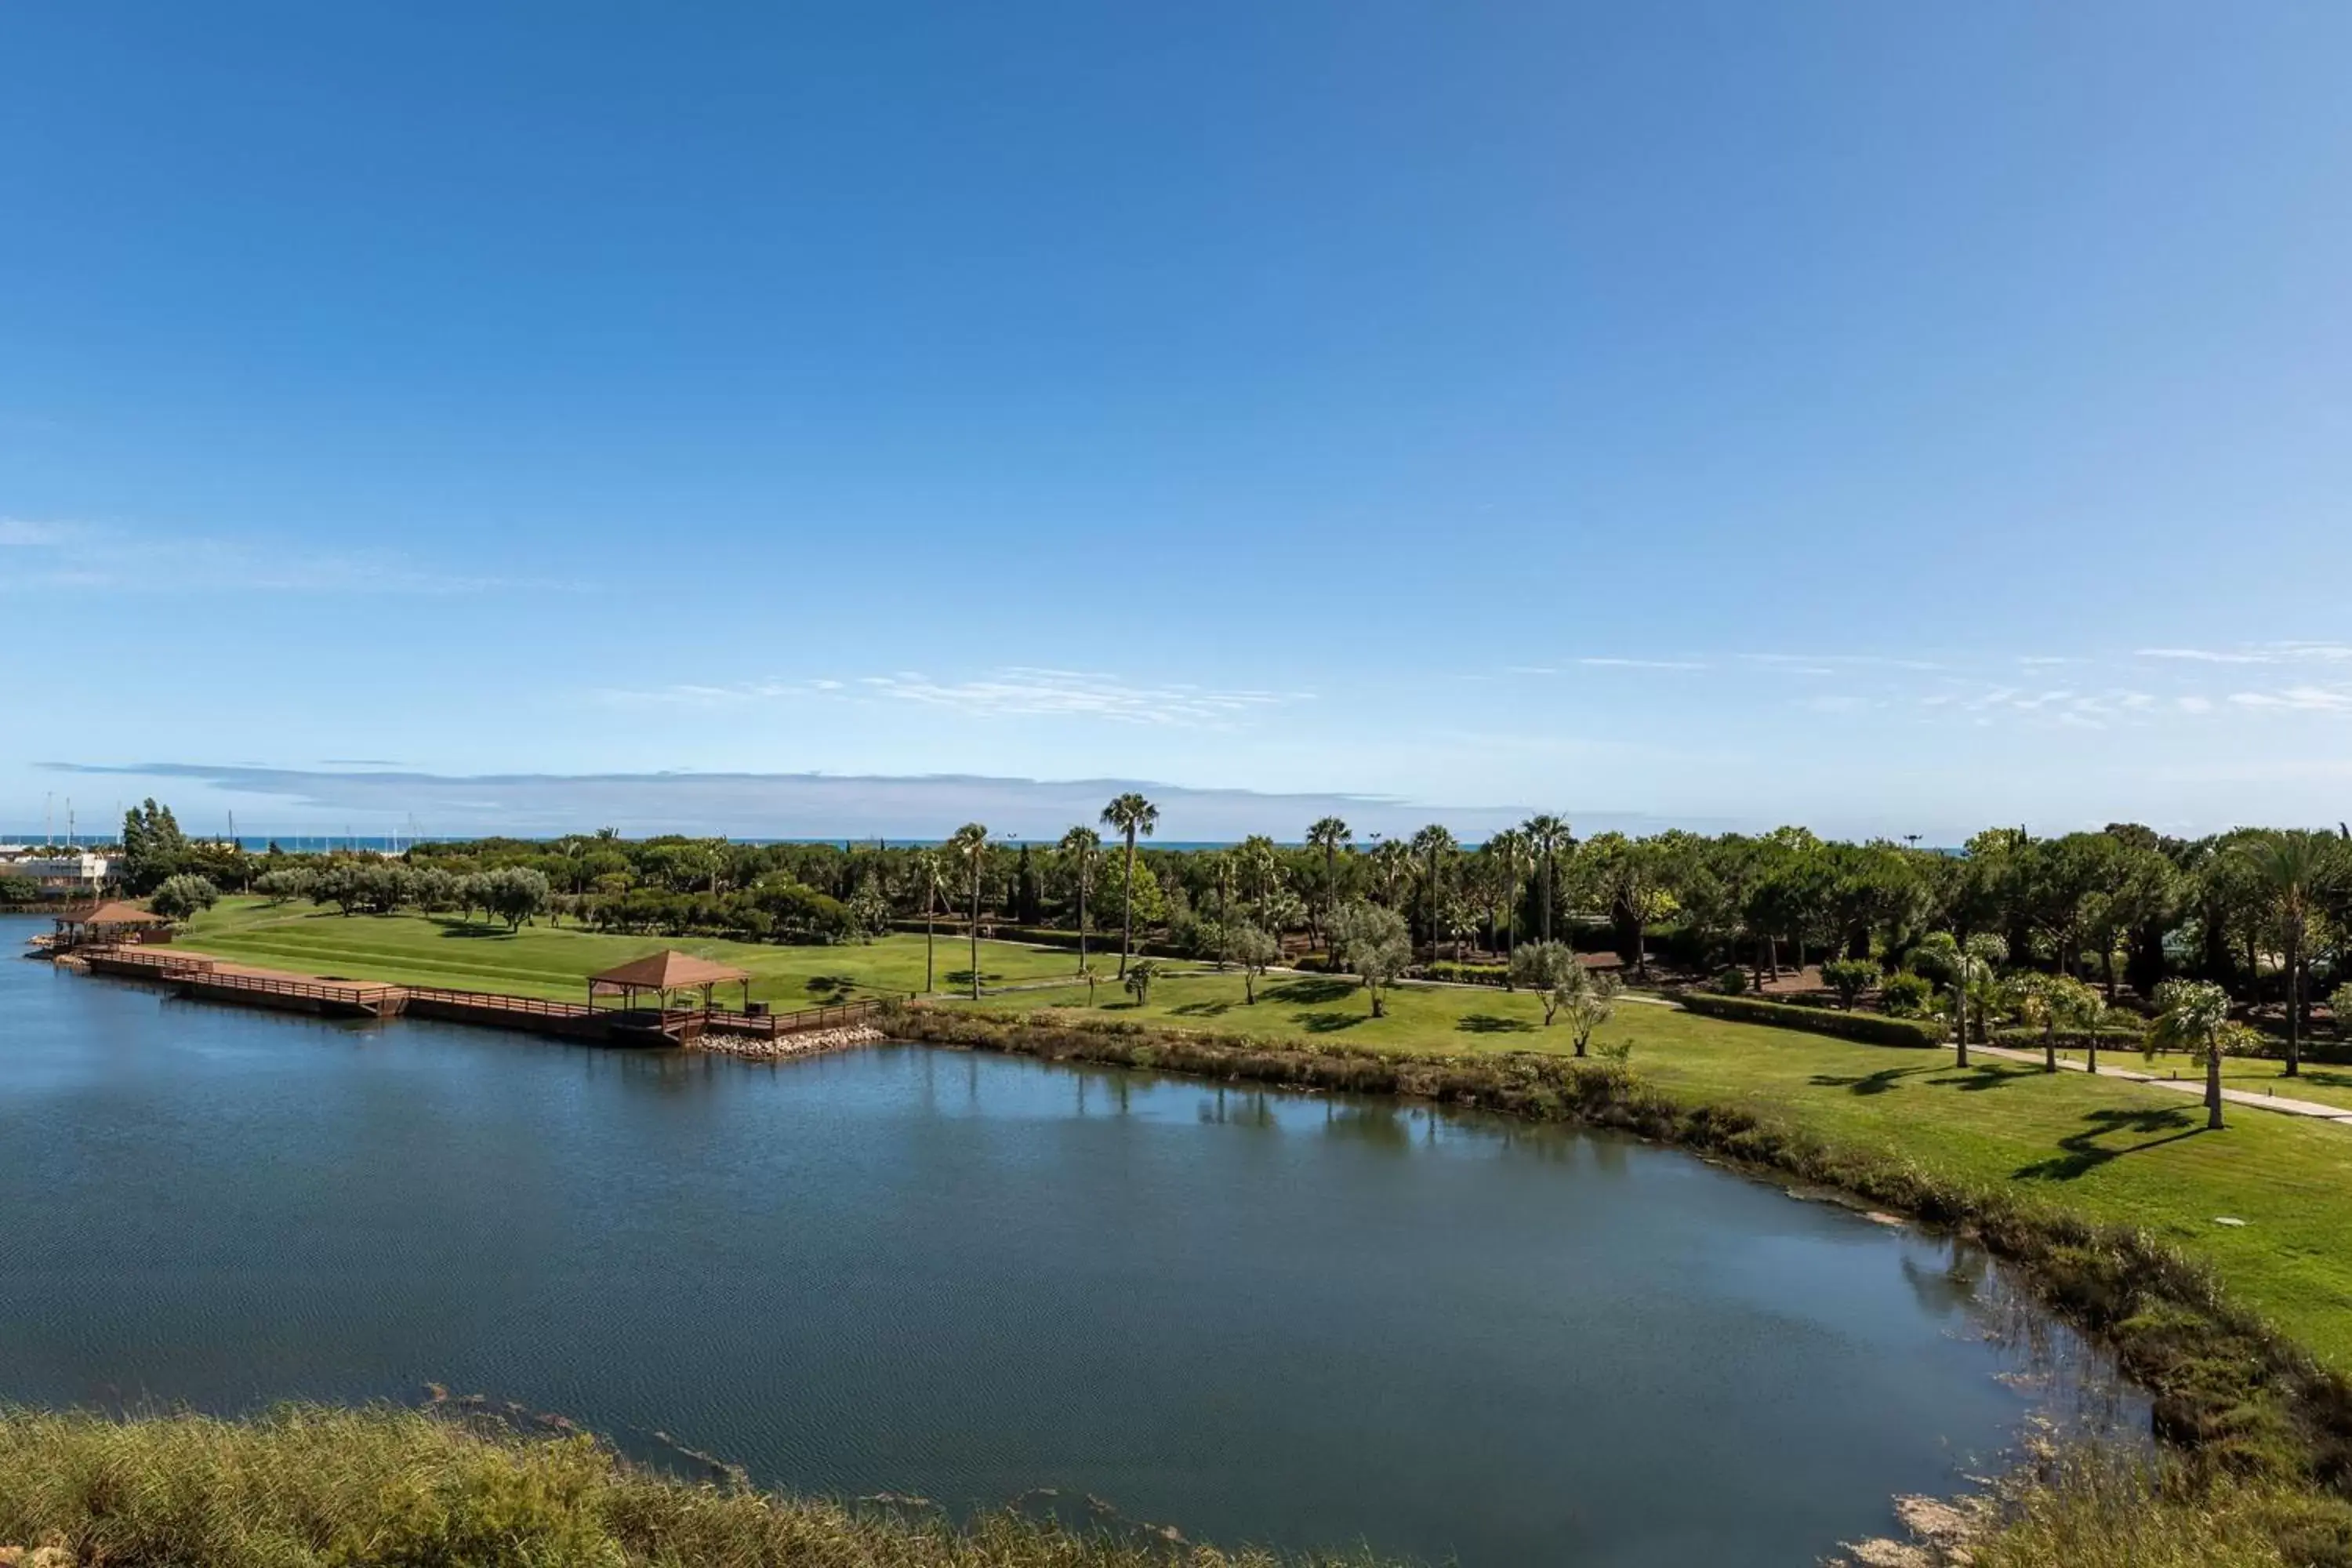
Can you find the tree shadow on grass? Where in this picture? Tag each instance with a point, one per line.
(1982, 1075)
(2085, 1154)
(1878, 1083)
(469, 932)
(1490, 1024)
(1308, 993)
(1201, 1010)
(1327, 1022)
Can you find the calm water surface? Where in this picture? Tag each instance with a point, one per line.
(1259, 1317)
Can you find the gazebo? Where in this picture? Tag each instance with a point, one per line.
(114, 921)
(664, 974)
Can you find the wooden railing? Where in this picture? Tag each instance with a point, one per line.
(494, 1002)
(375, 996)
(834, 1016)
(361, 995)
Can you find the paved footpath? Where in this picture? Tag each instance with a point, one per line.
(2194, 1087)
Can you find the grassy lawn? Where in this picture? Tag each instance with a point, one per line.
(546, 960)
(2323, 1083)
(2111, 1149)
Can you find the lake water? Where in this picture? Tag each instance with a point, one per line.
(1255, 1316)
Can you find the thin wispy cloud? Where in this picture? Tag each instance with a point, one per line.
(1831, 663)
(1606, 661)
(1016, 691)
(2297, 700)
(89, 557)
(2288, 652)
(18, 532)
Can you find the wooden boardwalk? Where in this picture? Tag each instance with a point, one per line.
(212, 979)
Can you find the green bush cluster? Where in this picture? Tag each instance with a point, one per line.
(1906, 994)
(1466, 973)
(1870, 1029)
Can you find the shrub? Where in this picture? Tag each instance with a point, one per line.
(1466, 973)
(1730, 981)
(1870, 1029)
(1904, 995)
(1849, 977)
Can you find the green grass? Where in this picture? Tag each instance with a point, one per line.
(1322, 1007)
(2322, 1083)
(2113, 1152)
(310, 1488)
(553, 962)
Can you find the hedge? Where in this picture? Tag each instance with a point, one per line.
(2111, 1036)
(1466, 973)
(1872, 1028)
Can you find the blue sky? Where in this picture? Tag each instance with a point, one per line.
(1890, 418)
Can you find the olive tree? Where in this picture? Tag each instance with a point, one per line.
(1252, 948)
(1585, 998)
(1591, 1005)
(1550, 969)
(179, 897)
(1369, 942)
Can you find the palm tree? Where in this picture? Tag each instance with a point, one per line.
(1433, 844)
(2288, 866)
(1130, 813)
(1509, 849)
(1330, 834)
(1547, 836)
(1260, 866)
(1081, 847)
(2194, 1016)
(968, 847)
(1219, 863)
(931, 876)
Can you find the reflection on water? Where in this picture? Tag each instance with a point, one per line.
(1256, 1315)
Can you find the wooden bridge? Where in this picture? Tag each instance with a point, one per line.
(211, 979)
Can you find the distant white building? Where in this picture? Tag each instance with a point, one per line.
(77, 871)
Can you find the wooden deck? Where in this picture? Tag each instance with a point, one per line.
(217, 980)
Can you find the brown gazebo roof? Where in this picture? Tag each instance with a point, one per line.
(119, 913)
(668, 970)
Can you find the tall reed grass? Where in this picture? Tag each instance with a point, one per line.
(309, 1487)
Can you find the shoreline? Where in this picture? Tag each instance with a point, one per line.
(2229, 1396)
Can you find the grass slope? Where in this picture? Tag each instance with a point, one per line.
(2111, 1151)
(555, 962)
(309, 1488)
